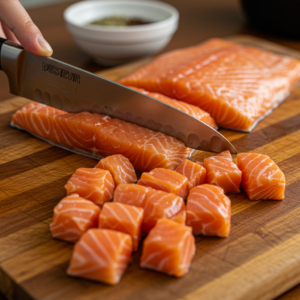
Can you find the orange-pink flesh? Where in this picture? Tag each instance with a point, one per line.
(72, 217)
(236, 84)
(124, 218)
(166, 180)
(131, 194)
(223, 172)
(208, 211)
(120, 168)
(99, 135)
(190, 109)
(101, 255)
(96, 185)
(195, 173)
(169, 248)
(262, 178)
(156, 204)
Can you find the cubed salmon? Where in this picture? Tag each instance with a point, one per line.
(124, 218)
(102, 255)
(169, 248)
(72, 217)
(96, 185)
(223, 172)
(120, 168)
(166, 180)
(195, 173)
(208, 211)
(262, 178)
(156, 204)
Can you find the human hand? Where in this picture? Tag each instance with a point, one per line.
(18, 27)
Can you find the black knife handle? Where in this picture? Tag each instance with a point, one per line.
(2, 40)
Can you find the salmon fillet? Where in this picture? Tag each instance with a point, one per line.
(101, 255)
(96, 185)
(124, 218)
(195, 173)
(223, 172)
(72, 217)
(261, 177)
(208, 211)
(166, 180)
(236, 85)
(99, 135)
(190, 109)
(156, 204)
(120, 168)
(169, 248)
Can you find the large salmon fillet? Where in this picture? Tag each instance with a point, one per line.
(99, 135)
(192, 110)
(237, 85)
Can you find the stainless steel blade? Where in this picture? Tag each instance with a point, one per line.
(71, 89)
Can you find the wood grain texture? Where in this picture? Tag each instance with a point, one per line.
(259, 260)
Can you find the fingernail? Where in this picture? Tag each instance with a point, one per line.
(44, 44)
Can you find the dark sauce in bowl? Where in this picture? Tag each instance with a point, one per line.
(120, 21)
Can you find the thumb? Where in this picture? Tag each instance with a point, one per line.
(17, 20)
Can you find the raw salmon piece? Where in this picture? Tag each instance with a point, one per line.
(169, 248)
(162, 205)
(166, 180)
(195, 173)
(262, 178)
(99, 135)
(73, 216)
(208, 210)
(156, 204)
(101, 255)
(124, 218)
(131, 194)
(236, 85)
(96, 185)
(190, 109)
(120, 168)
(223, 172)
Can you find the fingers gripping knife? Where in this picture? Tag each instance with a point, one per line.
(55, 83)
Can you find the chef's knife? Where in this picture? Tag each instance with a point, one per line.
(58, 84)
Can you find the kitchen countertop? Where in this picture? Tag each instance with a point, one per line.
(199, 20)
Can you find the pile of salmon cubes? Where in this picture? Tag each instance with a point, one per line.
(106, 233)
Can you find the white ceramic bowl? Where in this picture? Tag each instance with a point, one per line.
(112, 45)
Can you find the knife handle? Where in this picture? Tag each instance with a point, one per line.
(2, 40)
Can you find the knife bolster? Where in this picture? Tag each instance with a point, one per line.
(2, 40)
(12, 62)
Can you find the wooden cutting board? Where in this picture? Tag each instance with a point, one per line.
(259, 260)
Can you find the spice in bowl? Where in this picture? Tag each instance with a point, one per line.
(119, 21)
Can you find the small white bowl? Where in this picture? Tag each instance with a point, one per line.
(112, 45)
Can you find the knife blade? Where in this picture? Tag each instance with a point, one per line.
(63, 86)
